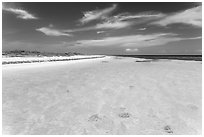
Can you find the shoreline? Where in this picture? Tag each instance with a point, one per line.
(140, 58)
(23, 60)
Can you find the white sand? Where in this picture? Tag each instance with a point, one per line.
(9, 60)
(120, 96)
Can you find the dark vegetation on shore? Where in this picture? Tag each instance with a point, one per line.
(52, 60)
(23, 53)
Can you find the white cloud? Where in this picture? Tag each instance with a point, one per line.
(191, 16)
(97, 14)
(195, 38)
(113, 25)
(80, 29)
(100, 32)
(134, 40)
(104, 25)
(131, 50)
(142, 28)
(120, 21)
(127, 16)
(52, 32)
(125, 19)
(22, 14)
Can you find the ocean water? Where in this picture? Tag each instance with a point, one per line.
(173, 57)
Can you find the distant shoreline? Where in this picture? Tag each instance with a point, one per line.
(171, 57)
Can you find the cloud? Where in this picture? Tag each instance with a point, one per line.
(120, 21)
(100, 32)
(22, 14)
(113, 25)
(191, 16)
(52, 32)
(104, 25)
(127, 16)
(195, 38)
(134, 40)
(97, 14)
(131, 50)
(125, 20)
(142, 29)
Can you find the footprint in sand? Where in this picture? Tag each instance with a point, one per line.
(124, 115)
(123, 112)
(102, 123)
(168, 129)
(94, 118)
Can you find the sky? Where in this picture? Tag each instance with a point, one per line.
(123, 28)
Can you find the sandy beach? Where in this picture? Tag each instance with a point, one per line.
(111, 95)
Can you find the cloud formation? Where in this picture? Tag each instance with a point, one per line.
(100, 32)
(105, 25)
(113, 25)
(52, 32)
(191, 16)
(127, 16)
(22, 14)
(142, 28)
(131, 50)
(123, 20)
(134, 40)
(97, 14)
(120, 21)
(126, 19)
